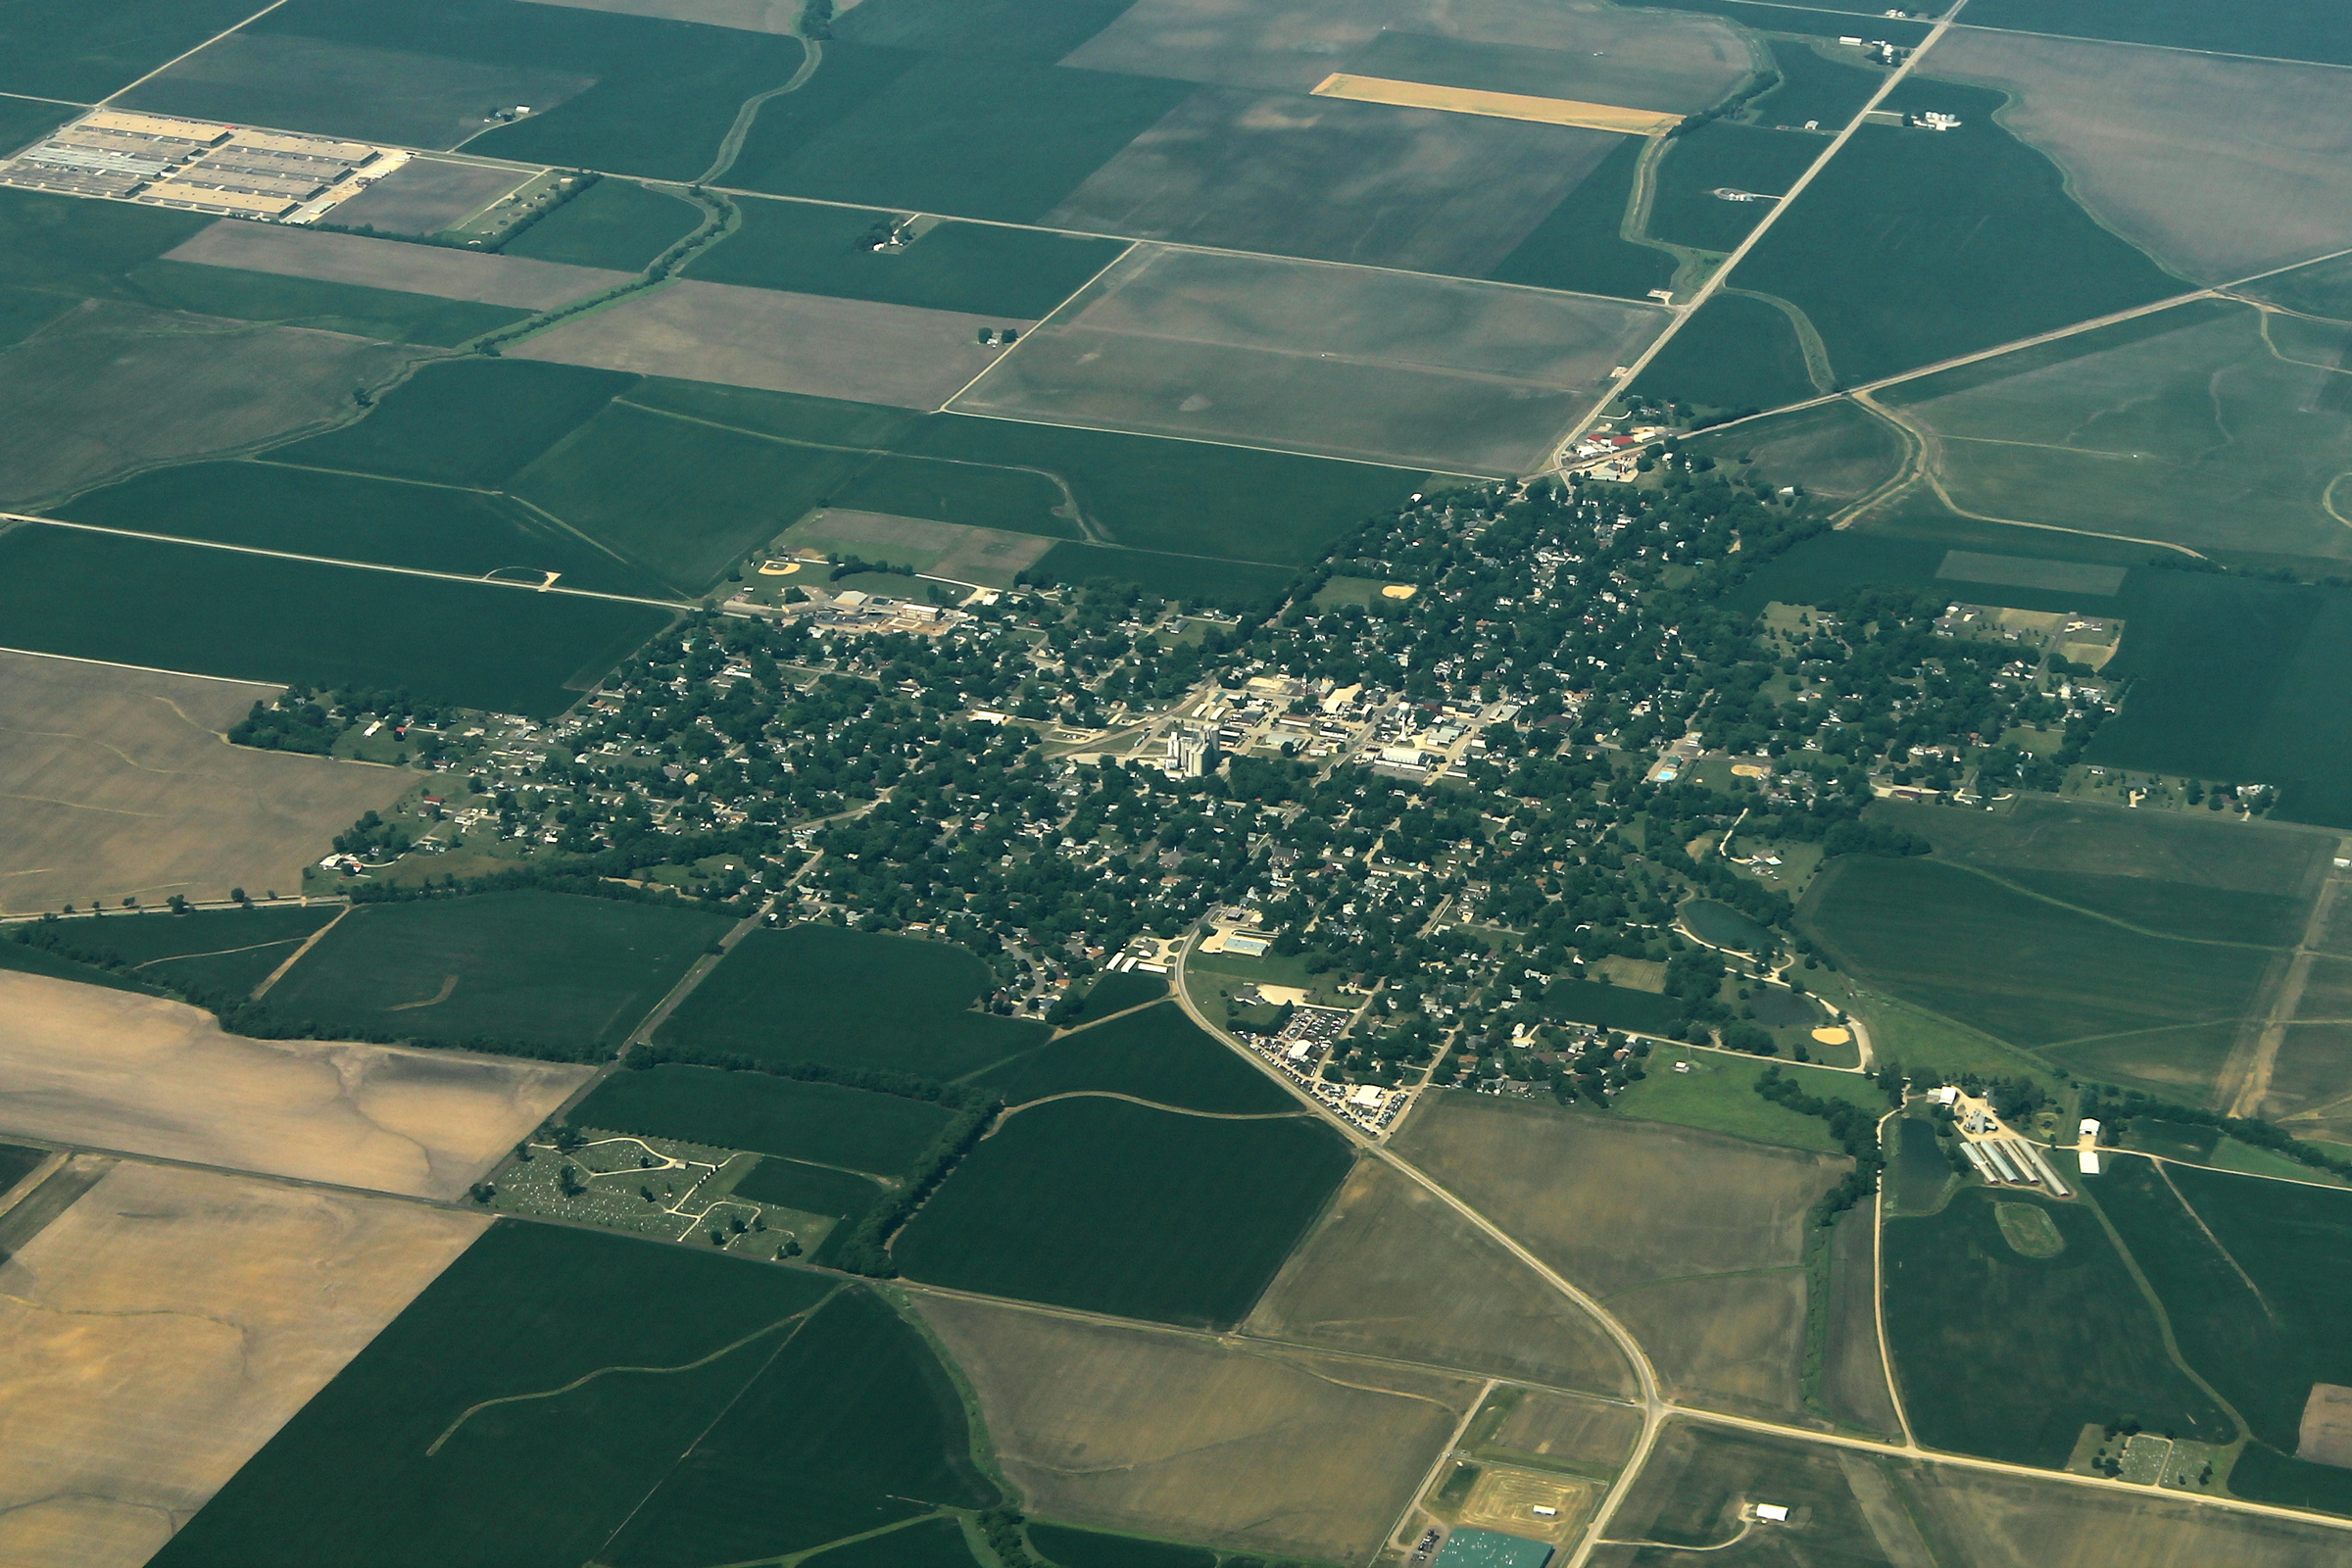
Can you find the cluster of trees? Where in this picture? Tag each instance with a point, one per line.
(1855, 1128)
(2116, 1109)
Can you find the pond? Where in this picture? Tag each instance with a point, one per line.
(1779, 1008)
(1719, 925)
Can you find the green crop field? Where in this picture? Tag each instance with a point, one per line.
(852, 1426)
(2073, 1338)
(1088, 1548)
(1612, 1006)
(980, 268)
(17, 958)
(25, 121)
(1116, 993)
(471, 423)
(819, 993)
(549, 968)
(262, 617)
(15, 1163)
(1019, 29)
(1579, 245)
(26, 311)
(1723, 155)
(822, 1122)
(1738, 354)
(614, 224)
(1718, 1094)
(62, 49)
(924, 1544)
(1158, 1055)
(1814, 87)
(1009, 142)
(378, 313)
(268, 506)
(229, 950)
(2289, 29)
(459, 1433)
(2324, 288)
(686, 500)
(69, 245)
(2250, 1274)
(1837, 449)
(810, 1189)
(1111, 1207)
(1914, 246)
(1014, 500)
(2019, 968)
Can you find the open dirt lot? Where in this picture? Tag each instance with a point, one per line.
(1659, 60)
(1392, 1271)
(451, 274)
(990, 557)
(1724, 1342)
(110, 1069)
(116, 782)
(750, 16)
(1506, 1499)
(161, 1329)
(427, 195)
(106, 389)
(1614, 1204)
(1165, 1434)
(2221, 167)
(2326, 1432)
(1342, 361)
(1335, 180)
(765, 338)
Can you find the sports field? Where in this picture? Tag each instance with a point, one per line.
(809, 993)
(115, 783)
(1179, 1437)
(103, 1068)
(1114, 1207)
(156, 1334)
(1392, 1271)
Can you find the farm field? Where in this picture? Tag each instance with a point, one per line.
(1579, 244)
(57, 49)
(1127, 1428)
(981, 269)
(1724, 156)
(824, 1123)
(103, 1068)
(806, 994)
(537, 1335)
(241, 617)
(115, 783)
(2084, 1345)
(1717, 1095)
(1842, 449)
(2022, 969)
(2132, 128)
(1914, 246)
(427, 196)
(1089, 1548)
(616, 224)
(1390, 1271)
(2210, 426)
(229, 950)
(471, 423)
(2299, 29)
(354, 258)
(954, 550)
(164, 1325)
(1741, 352)
(1113, 1207)
(354, 310)
(1815, 87)
(1158, 1055)
(553, 970)
(1348, 363)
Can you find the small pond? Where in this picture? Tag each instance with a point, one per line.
(1778, 1009)
(1720, 925)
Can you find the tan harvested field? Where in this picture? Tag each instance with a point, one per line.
(1583, 1434)
(449, 274)
(1166, 1434)
(1613, 1205)
(1853, 1372)
(778, 342)
(748, 16)
(1988, 1520)
(105, 389)
(2325, 1436)
(110, 1069)
(1724, 1342)
(1499, 105)
(116, 782)
(990, 557)
(2219, 167)
(161, 1330)
(1392, 1271)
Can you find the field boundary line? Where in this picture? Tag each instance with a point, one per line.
(354, 566)
(273, 976)
(182, 55)
(1010, 1111)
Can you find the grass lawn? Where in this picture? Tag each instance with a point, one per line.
(1718, 1096)
(1112, 1208)
(825, 1123)
(1158, 1055)
(820, 992)
(550, 969)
